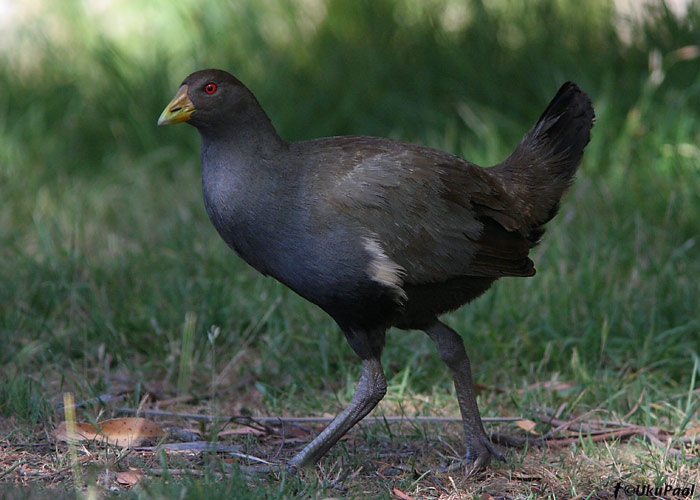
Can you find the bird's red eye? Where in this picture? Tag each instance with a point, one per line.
(210, 88)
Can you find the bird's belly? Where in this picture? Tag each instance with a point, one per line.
(327, 270)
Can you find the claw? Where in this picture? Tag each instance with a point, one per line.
(479, 455)
(475, 462)
(496, 454)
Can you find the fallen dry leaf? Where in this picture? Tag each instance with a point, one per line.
(400, 494)
(83, 432)
(123, 432)
(526, 425)
(130, 431)
(128, 477)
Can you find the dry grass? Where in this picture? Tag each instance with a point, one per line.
(373, 461)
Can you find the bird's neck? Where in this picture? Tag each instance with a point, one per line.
(246, 179)
(245, 167)
(241, 167)
(250, 138)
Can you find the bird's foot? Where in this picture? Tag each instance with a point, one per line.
(268, 469)
(479, 454)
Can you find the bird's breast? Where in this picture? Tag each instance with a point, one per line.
(276, 230)
(244, 220)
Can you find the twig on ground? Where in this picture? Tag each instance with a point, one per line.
(243, 419)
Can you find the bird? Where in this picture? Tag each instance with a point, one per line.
(378, 232)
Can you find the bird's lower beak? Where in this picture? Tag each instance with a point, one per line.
(178, 110)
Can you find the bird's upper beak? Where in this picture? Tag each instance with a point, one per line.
(178, 110)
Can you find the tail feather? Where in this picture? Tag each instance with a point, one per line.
(543, 165)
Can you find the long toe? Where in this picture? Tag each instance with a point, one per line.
(478, 459)
(472, 463)
(261, 470)
(492, 450)
(478, 456)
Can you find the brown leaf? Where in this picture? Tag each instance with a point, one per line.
(83, 432)
(526, 425)
(400, 494)
(129, 477)
(123, 432)
(130, 431)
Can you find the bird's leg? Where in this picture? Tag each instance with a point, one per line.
(451, 350)
(369, 391)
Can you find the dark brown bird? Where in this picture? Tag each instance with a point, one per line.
(379, 232)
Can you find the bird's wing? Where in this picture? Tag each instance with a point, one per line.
(433, 214)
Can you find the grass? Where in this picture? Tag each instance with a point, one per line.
(112, 277)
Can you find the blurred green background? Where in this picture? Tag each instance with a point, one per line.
(105, 244)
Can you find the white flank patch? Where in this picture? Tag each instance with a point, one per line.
(384, 270)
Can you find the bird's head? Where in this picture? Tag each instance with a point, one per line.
(209, 99)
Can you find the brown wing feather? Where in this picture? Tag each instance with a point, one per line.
(434, 214)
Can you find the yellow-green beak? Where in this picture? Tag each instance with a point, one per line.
(178, 110)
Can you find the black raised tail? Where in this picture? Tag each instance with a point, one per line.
(543, 165)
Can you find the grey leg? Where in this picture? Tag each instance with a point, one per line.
(369, 391)
(451, 349)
